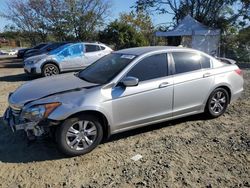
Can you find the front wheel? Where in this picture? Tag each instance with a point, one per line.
(78, 136)
(50, 70)
(217, 102)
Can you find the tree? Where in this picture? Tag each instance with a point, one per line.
(141, 21)
(64, 19)
(85, 16)
(228, 15)
(243, 40)
(24, 19)
(122, 35)
(219, 13)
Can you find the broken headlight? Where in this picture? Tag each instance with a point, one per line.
(39, 112)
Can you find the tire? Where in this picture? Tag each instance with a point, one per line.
(217, 103)
(75, 138)
(50, 70)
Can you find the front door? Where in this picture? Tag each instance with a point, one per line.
(72, 57)
(148, 102)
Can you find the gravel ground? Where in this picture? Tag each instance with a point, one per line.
(190, 152)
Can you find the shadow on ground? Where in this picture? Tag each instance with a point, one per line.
(157, 126)
(17, 78)
(15, 148)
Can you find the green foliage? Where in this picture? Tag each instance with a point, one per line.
(244, 36)
(131, 30)
(236, 44)
(243, 39)
(122, 35)
(219, 13)
(141, 21)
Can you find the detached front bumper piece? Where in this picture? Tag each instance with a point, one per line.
(16, 124)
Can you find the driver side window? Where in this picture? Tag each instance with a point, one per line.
(151, 67)
(65, 53)
(76, 49)
(72, 50)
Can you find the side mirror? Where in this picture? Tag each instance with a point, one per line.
(130, 81)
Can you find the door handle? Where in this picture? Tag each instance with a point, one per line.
(206, 75)
(164, 84)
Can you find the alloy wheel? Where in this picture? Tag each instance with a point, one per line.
(81, 135)
(51, 70)
(218, 102)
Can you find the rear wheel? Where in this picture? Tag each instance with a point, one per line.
(50, 70)
(217, 102)
(77, 136)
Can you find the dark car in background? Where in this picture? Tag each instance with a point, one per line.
(21, 52)
(44, 49)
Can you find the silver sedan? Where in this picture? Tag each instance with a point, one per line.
(124, 90)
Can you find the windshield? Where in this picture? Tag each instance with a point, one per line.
(106, 68)
(40, 46)
(51, 47)
(45, 47)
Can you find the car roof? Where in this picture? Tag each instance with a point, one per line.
(94, 43)
(142, 50)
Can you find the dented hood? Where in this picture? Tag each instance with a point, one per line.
(47, 86)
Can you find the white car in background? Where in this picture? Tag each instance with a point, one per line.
(69, 57)
(13, 51)
(3, 52)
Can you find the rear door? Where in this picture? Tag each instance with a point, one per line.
(92, 53)
(192, 81)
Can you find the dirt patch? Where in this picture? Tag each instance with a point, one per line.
(190, 152)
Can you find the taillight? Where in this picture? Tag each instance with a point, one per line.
(239, 72)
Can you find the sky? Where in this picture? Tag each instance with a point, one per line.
(118, 6)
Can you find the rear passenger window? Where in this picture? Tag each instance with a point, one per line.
(186, 62)
(155, 66)
(205, 62)
(92, 48)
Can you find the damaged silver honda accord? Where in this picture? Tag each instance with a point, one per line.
(124, 90)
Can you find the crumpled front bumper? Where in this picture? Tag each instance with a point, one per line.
(15, 123)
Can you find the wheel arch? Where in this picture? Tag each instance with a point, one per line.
(103, 119)
(224, 86)
(51, 62)
(227, 89)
